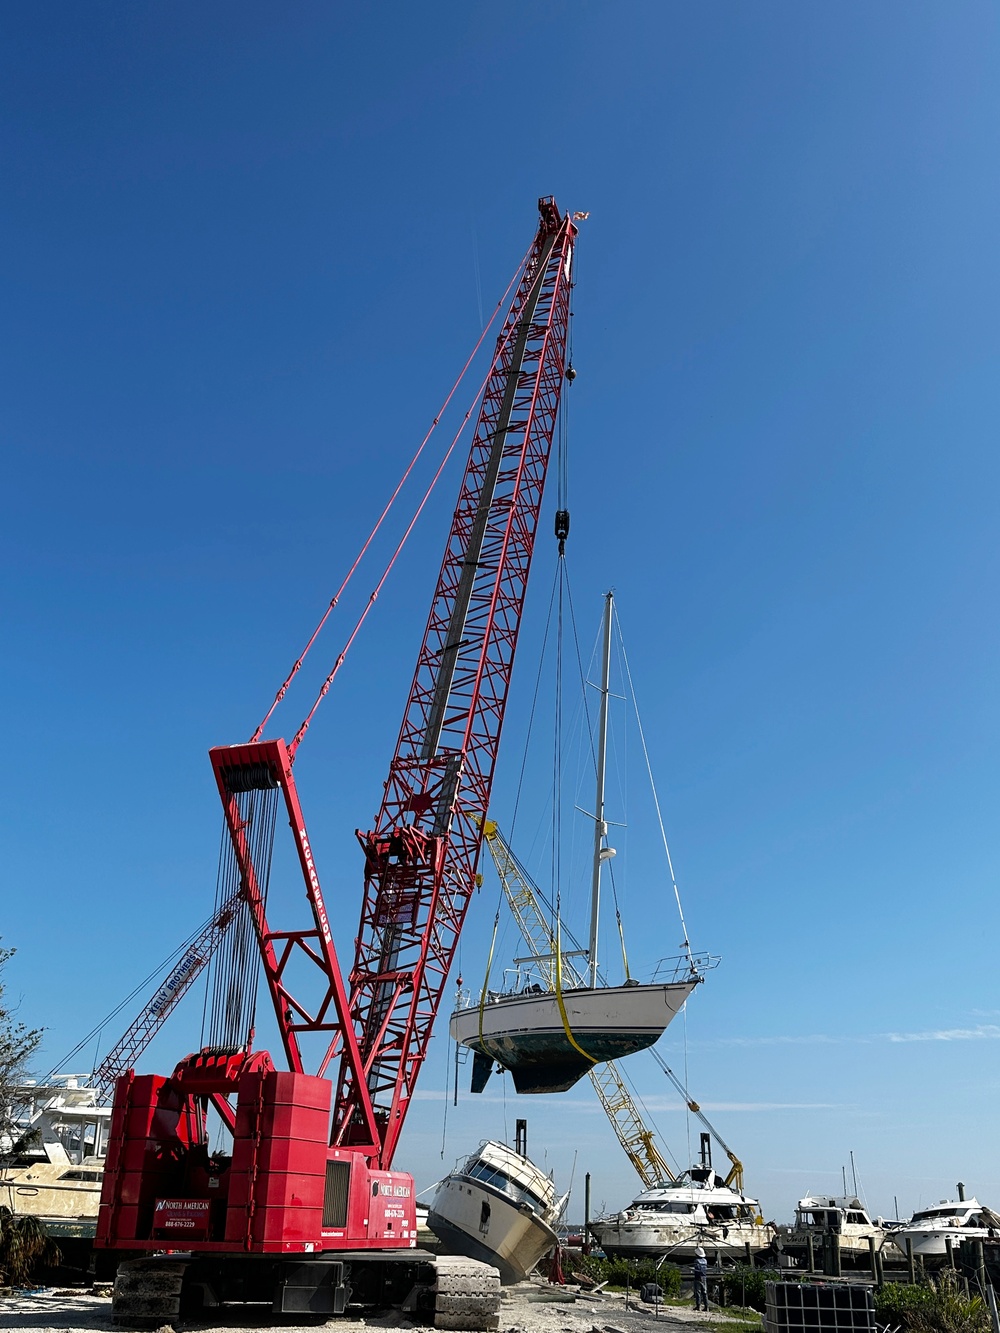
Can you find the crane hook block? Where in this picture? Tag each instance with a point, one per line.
(571, 373)
(562, 524)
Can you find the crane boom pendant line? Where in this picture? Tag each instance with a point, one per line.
(422, 854)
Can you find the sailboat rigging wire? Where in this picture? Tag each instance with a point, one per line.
(686, 945)
(486, 979)
(283, 689)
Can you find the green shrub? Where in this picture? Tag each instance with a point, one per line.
(939, 1306)
(745, 1286)
(632, 1273)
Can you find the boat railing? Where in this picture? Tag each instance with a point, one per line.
(684, 967)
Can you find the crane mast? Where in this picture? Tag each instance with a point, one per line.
(422, 853)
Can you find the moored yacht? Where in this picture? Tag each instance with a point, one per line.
(929, 1230)
(844, 1215)
(698, 1208)
(499, 1208)
(52, 1165)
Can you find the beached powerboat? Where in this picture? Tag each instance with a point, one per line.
(844, 1215)
(52, 1165)
(698, 1208)
(497, 1207)
(929, 1230)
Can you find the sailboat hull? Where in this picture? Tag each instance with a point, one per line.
(528, 1035)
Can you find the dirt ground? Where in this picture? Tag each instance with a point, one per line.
(529, 1307)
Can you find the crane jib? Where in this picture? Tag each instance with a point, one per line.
(471, 563)
(441, 774)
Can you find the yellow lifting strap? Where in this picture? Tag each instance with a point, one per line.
(559, 999)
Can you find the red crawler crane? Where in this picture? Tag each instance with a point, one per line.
(306, 1213)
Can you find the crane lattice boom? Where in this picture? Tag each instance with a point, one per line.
(422, 854)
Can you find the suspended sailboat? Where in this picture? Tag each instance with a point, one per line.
(549, 1035)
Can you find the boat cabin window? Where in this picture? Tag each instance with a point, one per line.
(665, 1206)
(79, 1174)
(480, 1170)
(858, 1219)
(720, 1212)
(821, 1217)
(930, 1213)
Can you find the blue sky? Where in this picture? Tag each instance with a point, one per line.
(243, 251)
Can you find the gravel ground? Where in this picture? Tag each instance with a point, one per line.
(527, 1308)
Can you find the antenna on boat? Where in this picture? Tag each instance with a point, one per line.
(601, 853)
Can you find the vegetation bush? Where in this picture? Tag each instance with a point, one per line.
(939, 1306)
(24, 1248)
(632, 1273)
(745, 1286)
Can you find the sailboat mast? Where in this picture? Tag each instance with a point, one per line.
(600, 825)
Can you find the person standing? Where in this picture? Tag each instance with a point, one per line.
(700, 1270)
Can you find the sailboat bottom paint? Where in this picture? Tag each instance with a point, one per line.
(548, 1050)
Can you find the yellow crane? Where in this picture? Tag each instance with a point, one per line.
(633, 1134)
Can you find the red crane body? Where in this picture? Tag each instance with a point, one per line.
(299, 1181)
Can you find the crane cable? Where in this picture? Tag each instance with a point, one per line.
(283, 688)
(373, 596)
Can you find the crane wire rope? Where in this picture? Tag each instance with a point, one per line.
(283, 689)
(373, 596)
(99, 1027)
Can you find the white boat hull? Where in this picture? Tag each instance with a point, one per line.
(473, 1219)
(933, 1244)
(635, 1240)
(527, 1033)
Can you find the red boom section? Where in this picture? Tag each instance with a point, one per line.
(241, 771)
(421, 857)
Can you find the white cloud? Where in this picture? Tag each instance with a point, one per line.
(982, 1032)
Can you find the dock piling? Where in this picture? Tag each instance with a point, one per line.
(873, 1256)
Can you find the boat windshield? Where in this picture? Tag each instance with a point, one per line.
(480, 1170)
(665, 1206)
(930, 1214)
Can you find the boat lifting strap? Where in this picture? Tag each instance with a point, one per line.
(559, 998)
